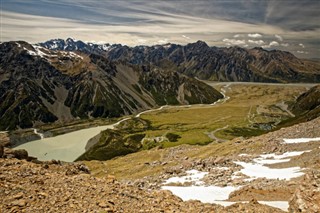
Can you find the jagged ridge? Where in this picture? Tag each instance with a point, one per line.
(200, 60)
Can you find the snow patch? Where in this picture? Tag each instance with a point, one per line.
(30, 52)
(300, 140)
(283, 205)
(192, 176)
(75, 55)
(273, 158)
(205, 194)
(243, 155)
(105, 47)
(255, 171)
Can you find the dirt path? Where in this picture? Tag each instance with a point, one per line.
(214, 137)
(284, 107)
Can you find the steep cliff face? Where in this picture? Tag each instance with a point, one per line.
(38, 85)
(211, 63)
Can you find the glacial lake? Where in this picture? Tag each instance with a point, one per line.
(66, 147)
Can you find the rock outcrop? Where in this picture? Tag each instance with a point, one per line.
(307, 197)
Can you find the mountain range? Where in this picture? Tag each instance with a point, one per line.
(205, 62)
(63, 80)
(39, 85)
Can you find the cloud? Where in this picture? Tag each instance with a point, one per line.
(284, 44)
(279, 37)
(301, 45)
(231, 42)
(128, 21)
(163, 41)
(142, 41)
(271, 44)
(186, 37)
(255, 35)
(258, 42)
(274, 43)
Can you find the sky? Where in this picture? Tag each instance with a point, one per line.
(290, 25)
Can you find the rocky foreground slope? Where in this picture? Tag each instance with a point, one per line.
(132, 183)
(52, 187)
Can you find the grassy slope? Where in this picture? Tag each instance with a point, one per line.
(234, 118)
(248, 104)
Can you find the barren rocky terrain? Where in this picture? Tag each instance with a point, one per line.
(56, 187)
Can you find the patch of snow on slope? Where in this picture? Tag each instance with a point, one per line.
(258, 170)
(255, 170)
(273, 158)
(39, 51)
(283, 205)
(300, 140)
(75, 55)
(30, 52)
(206, 194)
(192, 176)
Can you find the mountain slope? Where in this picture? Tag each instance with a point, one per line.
(211, 63)
(39, 85)
(305, 108)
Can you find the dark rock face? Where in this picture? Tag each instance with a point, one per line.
(309, 100)
(307, 105)
(305, 108)
(1, 150)
(38, 85)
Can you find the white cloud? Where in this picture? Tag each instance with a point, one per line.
(302, 52)
(163, 41)
(285, 44)
(141, 40)
(186, 37)
(255, 35)
(279, 37)
(271, 44)
(274, 43)
(236, 36)
(302, 45)
(258, 42)
(234, 41)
